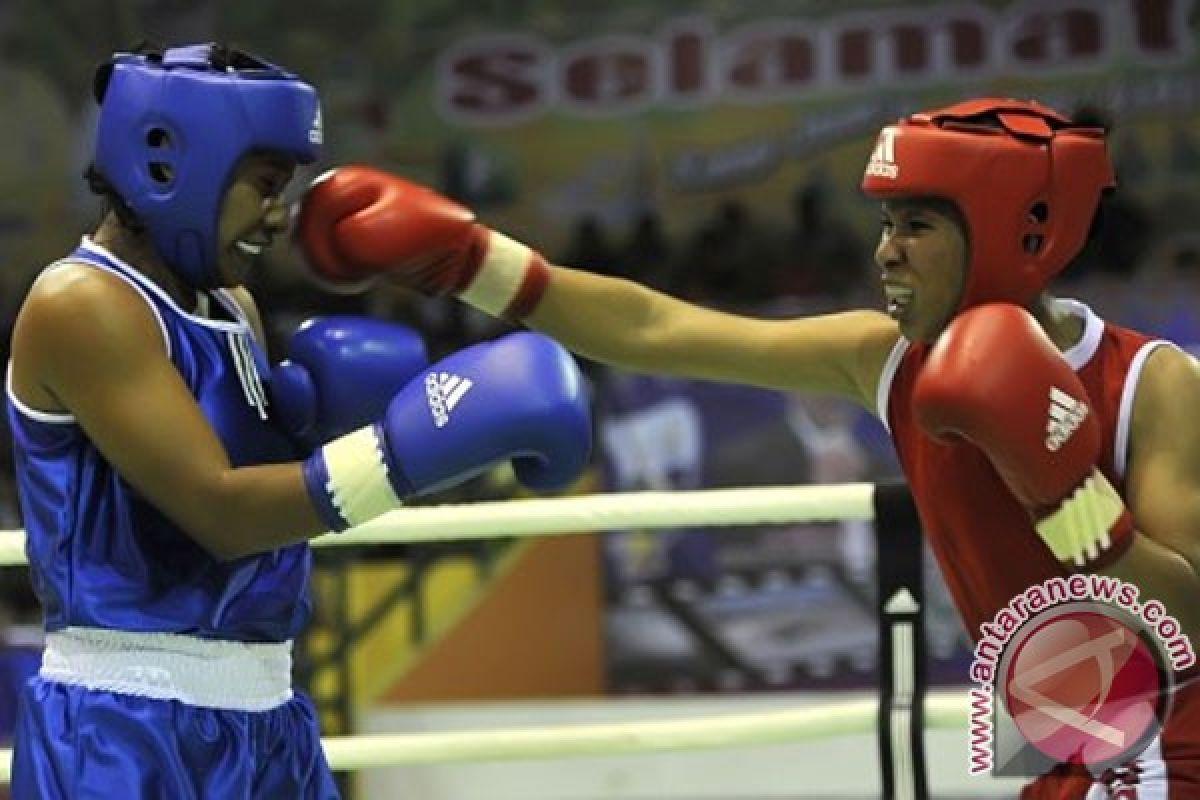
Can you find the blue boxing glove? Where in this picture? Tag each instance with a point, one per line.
(340, 374)
(519, 398)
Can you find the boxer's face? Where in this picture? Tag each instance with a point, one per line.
(922, 253)
(252, 214)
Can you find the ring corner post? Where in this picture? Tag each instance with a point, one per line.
(900, 604)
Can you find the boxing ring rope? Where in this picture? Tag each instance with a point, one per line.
(944, 710)
(348, 753)
(602, 512)
(587, 514)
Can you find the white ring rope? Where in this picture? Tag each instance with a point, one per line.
(942, 710)
(586, 514)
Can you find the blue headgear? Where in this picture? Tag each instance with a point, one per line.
(173, 127)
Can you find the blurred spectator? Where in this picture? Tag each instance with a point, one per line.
(445, 324)
(1117, 242)
(1163, 302)
(1120, 235)
(1184, 163)
(728, 261)
(822, 253)
(825, 426)
(589, 248)
(473, 178)
(1133, 164)
(646, 256)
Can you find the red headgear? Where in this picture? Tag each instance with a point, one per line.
(1026, 179)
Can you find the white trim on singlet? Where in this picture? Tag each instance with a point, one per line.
(150, 286)
(227, 299)
(1153, 780)
(144, 287)
(231, 305)
(1077, 355)
(886, 376)
(127, 278)
(1080, 353)
(61, 418)
(1128, 394)
(1150, 782)
(46, 417)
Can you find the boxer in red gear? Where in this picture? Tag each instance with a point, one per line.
(1038, 440)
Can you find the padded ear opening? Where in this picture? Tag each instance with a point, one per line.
(1039, 214)
(158, 138)
(161, 172)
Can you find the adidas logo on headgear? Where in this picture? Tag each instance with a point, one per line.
(316, 132)
(1066, 414)
(883, 158)
(444, 390)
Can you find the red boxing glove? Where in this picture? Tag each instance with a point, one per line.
(357, 222)
(994, 378)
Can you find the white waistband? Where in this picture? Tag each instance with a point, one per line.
(237, 676)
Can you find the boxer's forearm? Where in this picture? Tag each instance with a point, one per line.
(1161, 574)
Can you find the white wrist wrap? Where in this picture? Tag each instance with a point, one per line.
(358, 478)
(500, 276)
(1079, 531)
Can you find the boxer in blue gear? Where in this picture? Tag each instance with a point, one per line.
(156, 448)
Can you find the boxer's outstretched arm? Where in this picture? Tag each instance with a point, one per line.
(623, 323)
(359, 223)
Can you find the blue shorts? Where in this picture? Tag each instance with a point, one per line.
(73, 742)
(17, 665)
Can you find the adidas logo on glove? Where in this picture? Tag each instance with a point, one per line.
(444, 390)
(1066, 413)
